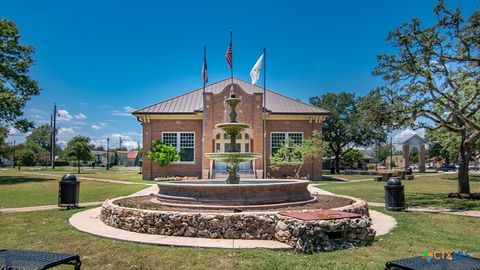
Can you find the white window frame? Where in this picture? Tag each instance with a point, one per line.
(178, 145)
(286, 136)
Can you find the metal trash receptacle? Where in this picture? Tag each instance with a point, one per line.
(394, 195)
(68, 192)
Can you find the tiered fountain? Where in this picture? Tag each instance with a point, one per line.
(233, 129)
(247, 193)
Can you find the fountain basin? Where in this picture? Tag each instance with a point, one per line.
(249, 193)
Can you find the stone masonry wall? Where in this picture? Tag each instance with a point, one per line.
(303, 236)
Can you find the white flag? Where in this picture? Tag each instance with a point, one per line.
(255, 72)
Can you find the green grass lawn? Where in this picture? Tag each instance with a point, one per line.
(351, 177)
(50, 231)
(427, 190)
(18, 189)
(123, 175)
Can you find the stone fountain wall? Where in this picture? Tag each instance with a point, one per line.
(304, 236)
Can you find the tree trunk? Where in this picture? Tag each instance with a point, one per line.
(464, 158)
(337, 163)
(78, 166)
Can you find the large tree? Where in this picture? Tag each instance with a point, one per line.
(78, 149)
(16, 87)
(432, 80)
(346, 127)
(39, 141)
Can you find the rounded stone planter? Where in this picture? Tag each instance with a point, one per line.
(304, 236)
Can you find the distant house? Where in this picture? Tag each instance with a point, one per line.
(5, 162)
(100, 158)
(128, 158)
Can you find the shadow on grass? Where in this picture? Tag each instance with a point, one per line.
(328, 179)
(439, 200)
(454, 177)
(11, 180)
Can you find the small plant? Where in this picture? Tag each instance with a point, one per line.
(175, 178)
(294, 154)
(163, 154)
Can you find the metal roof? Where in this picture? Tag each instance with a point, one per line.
(192, 101)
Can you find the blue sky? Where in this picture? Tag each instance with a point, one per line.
(99, 60)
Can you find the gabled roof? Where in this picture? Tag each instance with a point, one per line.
(193, 102)
(406, 135)
(129, 154)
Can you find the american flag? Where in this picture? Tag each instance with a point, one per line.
(228, 54)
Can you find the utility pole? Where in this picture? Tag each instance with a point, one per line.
(120, 143)
(54, 134)
(391, 154)
(108, 151)
(13, 155)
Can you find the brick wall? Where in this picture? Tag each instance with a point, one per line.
(311, 168)
(217, 111)
(153, 131)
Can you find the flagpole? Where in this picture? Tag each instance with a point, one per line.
(265, 112)
(204, 107)
(231, 44)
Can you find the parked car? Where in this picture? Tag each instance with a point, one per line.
(447, 167)
(473, 167)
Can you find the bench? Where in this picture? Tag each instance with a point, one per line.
(25, 259)
(416, 263)
(377, 178)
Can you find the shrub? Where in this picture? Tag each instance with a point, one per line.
(163, 154)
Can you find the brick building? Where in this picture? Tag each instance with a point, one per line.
(179, 121)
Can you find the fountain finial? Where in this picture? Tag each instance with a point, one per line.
(232, 91)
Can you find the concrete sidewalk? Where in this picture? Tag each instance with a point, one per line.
(42, 207)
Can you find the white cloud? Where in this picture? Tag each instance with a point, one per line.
(64, 135)
(129, 140)
(64, 115)
(99, 125)
(130, 144)
(127, 111)
(13, 131)
(80, 116)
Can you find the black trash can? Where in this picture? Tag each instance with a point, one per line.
(394, 195)
(68, 191)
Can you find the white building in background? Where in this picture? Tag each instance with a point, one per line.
(410, 137)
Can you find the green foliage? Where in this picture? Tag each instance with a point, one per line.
(27, 158)
(383, 152)
(352, 156)
(347, 126)
(393, 164)
(163, 154)
(16, 87)
(78, 149)
(294, 154)
(413, 155)
(433, 80)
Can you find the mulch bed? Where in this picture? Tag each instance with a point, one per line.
(146, 202)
